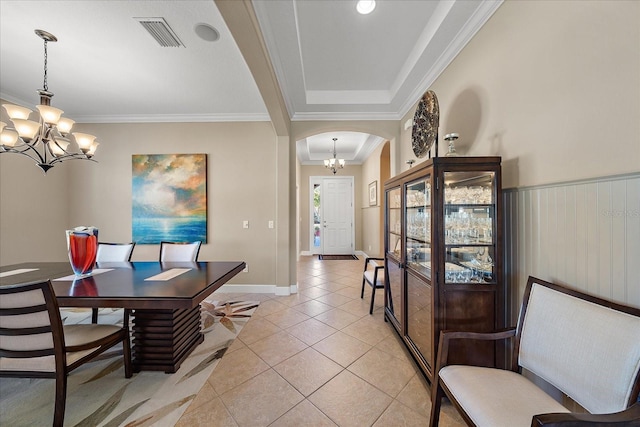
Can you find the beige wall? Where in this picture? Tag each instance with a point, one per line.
(33, 210)
(375, 168)
(241, 186)
(551, 86)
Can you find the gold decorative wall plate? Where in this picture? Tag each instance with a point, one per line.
(425, 124)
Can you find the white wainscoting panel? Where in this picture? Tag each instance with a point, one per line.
(583, 234)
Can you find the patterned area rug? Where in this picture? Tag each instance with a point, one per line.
(336, 257)
(98, 394)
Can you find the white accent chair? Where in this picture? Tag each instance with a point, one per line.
(35, 344)
(179, 251)
(586, 347)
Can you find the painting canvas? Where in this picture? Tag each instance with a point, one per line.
(169, 193)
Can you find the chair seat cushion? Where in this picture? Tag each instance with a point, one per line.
(495, 397)
(82, 334)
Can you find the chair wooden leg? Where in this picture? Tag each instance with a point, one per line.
(128, 366)
(373, 297)
(61, 399)
(362, 291)
(436, 402)
(94, 315)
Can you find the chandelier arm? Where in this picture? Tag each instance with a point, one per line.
(32, 146)
(44, 140)
(26, 152)
(71, 157)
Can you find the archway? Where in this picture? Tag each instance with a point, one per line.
(376, 168)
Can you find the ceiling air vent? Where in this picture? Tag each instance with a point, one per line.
(160, 31)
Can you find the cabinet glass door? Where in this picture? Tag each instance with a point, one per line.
(393, 296)
(394, 217)
(469, 221)
(418, 223)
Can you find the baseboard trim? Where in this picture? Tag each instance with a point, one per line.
(309, 253)
(283, 291)
(249, 289)
(259, 289)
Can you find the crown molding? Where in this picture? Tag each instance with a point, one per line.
(175, 118)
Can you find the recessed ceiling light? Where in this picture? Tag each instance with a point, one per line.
(206, 32)
(365, 6)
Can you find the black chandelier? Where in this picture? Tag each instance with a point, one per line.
(45, 141)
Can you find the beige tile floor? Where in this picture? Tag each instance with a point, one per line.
(316, 358)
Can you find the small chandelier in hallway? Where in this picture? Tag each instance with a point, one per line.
(44, 141)
(334, 164)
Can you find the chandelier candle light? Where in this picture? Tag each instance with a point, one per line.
(44, 141)
(334, 164)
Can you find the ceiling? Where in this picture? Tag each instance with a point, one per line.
(331, 62)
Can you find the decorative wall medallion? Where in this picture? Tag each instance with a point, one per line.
(425, 124)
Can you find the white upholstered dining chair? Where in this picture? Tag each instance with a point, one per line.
(111, 252)
(114, 252)
(35, 344)
(179, 252)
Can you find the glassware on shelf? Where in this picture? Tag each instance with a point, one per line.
(395, 245)
(418, 197)
(419, 225)
(467, 195)
(481, 266)
(468, 226)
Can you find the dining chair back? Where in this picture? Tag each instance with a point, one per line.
(35, 344)
(179, 251)
(114, 252)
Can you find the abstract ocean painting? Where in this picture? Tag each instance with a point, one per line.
(169, 193)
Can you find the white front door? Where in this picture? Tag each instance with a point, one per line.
(337, 215)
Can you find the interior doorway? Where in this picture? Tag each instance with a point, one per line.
(331, 224)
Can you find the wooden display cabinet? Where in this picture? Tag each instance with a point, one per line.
(443, 256)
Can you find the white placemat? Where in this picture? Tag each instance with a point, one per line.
(169, 274)
(18, 271)
(93, 273)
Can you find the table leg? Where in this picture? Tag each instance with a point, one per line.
(162, 339)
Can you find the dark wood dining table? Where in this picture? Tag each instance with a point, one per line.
(166, 313)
